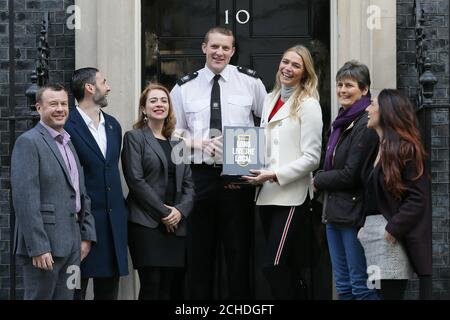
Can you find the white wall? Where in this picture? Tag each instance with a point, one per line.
(374, 46)
(109, 39)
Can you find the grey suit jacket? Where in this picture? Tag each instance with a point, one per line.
(44, 198)
(145, 169)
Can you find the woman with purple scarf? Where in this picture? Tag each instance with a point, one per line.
(348, 146)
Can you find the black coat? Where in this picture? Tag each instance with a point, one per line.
(409, 218)
(343, 204)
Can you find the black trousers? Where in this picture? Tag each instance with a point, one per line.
(160, 283)
(425, 288)
(104, 288)
(288, 249)
(392, 289)
(395, 289)
(220, 216)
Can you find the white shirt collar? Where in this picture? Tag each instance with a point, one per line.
(88, 120)
(225, 74)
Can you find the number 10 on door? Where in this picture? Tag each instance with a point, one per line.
(242, 16)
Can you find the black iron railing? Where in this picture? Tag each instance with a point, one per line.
(426, 82)
(426, 78)
(39, 77)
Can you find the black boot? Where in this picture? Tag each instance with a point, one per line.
(425, 288)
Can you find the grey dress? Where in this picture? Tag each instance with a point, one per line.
(385, 261)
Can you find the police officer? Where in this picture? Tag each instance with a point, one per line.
(218, 95)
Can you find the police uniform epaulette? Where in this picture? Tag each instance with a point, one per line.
(187, 78)
(249, 72)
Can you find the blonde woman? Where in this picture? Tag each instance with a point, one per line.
(292, 118)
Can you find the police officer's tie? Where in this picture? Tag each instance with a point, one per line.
(216, 116)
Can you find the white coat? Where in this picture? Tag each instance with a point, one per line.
(293, 149)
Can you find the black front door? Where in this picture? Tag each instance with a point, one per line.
(173, 31)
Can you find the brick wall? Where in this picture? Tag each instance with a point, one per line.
(4, 192)
(27, 17)
(437, 48)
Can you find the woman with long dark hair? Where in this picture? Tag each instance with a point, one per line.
(397, 230)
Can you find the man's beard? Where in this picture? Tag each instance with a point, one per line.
(101, 101)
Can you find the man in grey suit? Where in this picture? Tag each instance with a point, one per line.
(54, 227)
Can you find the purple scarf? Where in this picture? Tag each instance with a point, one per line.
(343, 120)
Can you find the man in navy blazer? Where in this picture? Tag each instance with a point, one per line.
(97, 137)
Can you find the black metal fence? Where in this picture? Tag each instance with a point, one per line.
(425, 78)
(39, 77)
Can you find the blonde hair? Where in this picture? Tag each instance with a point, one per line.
(308, 83)
(169, 122)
